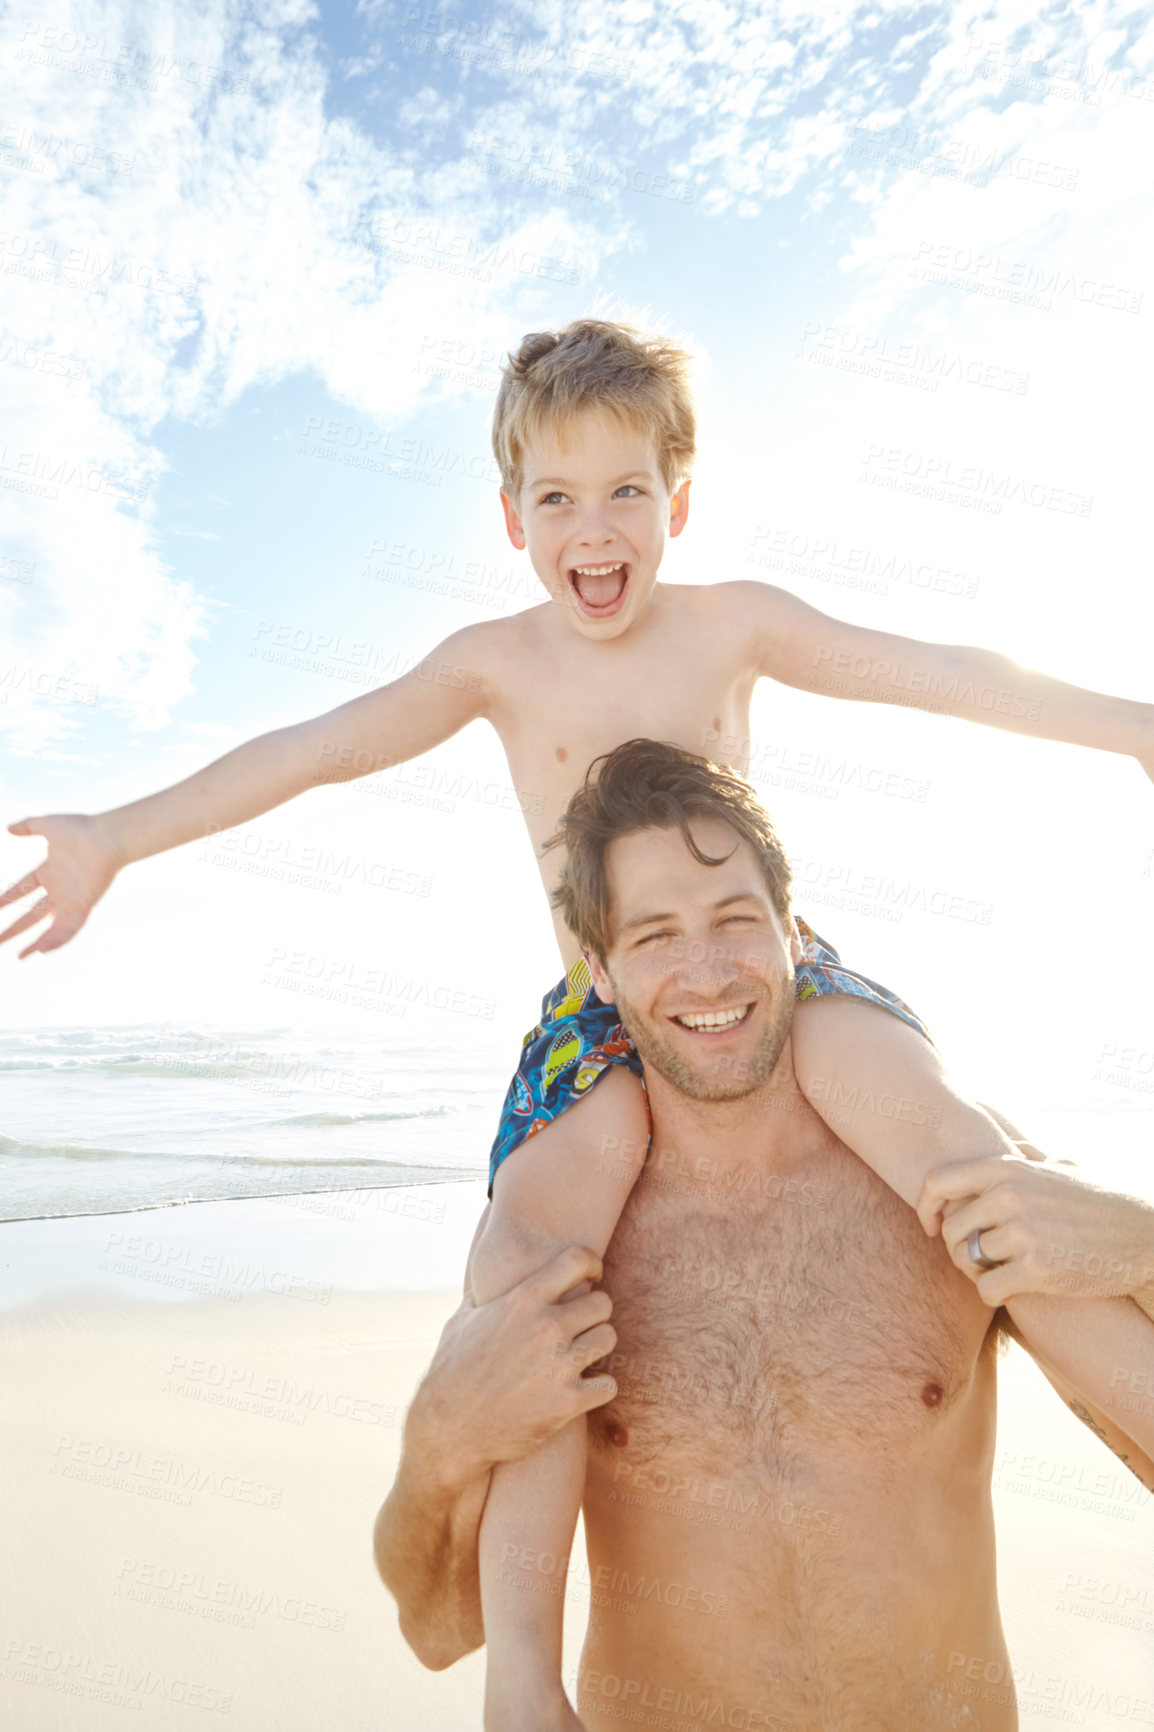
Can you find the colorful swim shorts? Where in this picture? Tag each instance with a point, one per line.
(578, 1038)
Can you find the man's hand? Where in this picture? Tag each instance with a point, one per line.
(78, 868)
(1049, 1231)
(507, 1375)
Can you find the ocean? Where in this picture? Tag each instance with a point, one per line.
(99, 1120)
(102, 1120)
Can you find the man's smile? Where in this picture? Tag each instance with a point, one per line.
(712, 1023)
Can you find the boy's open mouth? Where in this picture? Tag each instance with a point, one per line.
(600, 589)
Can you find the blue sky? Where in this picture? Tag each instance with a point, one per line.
(259, 270)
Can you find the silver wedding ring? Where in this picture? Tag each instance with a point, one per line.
(977, 1255)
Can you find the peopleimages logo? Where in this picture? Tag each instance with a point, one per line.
(374, 987)
(994, 487)
(990, 273)
(119, 1683)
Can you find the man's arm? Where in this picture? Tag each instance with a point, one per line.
(801, 646)
(506, 1376)
(426, 1531)
(399, 721)
(1074, 1265)
(1035, 1318)
(425, 1547)
(885, 1091)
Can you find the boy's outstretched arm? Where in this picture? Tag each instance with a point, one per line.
(800, 646)
(430, 703)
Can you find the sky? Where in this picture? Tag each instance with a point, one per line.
(259, 271)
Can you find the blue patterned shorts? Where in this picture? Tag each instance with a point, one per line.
(578, 1038)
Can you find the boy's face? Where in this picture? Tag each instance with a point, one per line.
(594, 514)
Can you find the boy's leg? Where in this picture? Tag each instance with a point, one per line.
(821, 974)
(885, 1092)
(565, 1185)
(865, 1061)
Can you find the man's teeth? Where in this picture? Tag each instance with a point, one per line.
(712, 1018)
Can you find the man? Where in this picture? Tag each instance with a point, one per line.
(787, 1504)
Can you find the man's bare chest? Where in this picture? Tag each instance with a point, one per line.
(783, 1318)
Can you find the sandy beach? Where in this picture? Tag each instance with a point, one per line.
(205, 1406)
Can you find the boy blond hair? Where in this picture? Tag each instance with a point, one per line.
(554, 375)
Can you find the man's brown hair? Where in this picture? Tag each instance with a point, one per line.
(595, 363)
(646, 784)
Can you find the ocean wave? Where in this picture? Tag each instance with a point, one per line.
(334, 1163)
(134, 1034)
(268, 1068)
(76, 1151)
(136, 1064)
(199, 1159)
(315, 1120)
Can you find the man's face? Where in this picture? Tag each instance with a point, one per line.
(594, 514)
(691, 943)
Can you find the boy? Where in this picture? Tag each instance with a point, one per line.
(594, 435)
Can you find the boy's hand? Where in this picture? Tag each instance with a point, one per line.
(78, 868)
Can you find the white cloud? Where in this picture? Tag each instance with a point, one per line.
(203, 223)
(221, 232)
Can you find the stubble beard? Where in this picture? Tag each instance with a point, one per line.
(729, 1080)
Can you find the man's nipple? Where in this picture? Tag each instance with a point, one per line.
(932, 1394)
(560, 754)
(618, 1436)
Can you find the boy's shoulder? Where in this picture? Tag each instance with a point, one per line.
(494, 649)
(756, 621)
(737, 603)
(729, 594)
(750, 592)
(493, 637)
(734, 603)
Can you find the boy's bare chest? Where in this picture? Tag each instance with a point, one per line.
(564, 711)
